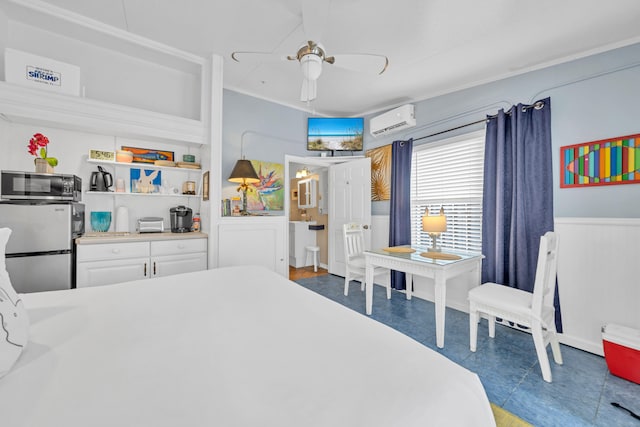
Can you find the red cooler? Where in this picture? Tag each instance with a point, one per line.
(622, 351)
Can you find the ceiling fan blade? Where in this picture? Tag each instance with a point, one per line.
(248, 56)
(309, 90)
(362, 62)
(315, 14)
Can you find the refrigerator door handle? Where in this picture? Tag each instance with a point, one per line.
(145, 269)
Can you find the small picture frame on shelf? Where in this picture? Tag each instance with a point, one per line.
(145, 180)
(205, 186)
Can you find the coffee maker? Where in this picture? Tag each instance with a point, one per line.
(181, 219)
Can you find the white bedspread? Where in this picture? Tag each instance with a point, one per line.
(227, 347)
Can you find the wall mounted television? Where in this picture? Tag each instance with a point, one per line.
(335, 133)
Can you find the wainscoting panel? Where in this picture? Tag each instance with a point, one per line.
(598, 277)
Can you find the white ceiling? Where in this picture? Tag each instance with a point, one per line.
(434, 46)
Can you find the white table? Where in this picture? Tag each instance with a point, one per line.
(413, 263)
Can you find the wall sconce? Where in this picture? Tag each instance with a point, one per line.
(303, 173)
(434, 225)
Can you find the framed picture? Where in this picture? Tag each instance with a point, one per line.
(605, 162)
(205, 186)
(380, 172)
(145, 180)
(147, 155)
(268, 193)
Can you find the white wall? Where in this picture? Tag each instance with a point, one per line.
(71, 148)
(110, 76)
(591, 99)
(598, 277)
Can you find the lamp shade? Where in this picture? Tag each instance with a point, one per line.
(311, 65)
(434, 224)
(243, 173)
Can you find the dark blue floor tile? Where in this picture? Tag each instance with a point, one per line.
(580, 394)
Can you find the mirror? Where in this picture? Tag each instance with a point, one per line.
(307, 193)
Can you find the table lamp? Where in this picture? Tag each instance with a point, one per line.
(244, 174)
(434, 225)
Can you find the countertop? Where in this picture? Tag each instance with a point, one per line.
(113, 237)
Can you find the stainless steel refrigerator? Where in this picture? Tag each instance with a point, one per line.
(40, 254)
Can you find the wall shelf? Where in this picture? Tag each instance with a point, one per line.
(144, 166)
(115, 193)
(28, 105)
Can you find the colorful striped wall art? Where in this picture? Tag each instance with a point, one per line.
(605, 162)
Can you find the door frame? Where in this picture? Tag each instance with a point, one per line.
(316, 161)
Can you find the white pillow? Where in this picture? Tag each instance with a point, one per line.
(14, 322)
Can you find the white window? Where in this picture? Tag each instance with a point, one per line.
(448, 173)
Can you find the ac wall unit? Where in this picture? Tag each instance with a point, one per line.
(393, 121)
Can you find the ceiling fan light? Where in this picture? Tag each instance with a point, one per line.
(311, 66)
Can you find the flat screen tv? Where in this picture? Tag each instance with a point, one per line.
(335, 133)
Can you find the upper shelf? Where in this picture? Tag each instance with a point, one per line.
(144, 166)
(28, 105)
(103, 115)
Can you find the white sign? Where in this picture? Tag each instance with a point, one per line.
(44, 73)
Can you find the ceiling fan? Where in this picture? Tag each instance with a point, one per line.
(311, 55)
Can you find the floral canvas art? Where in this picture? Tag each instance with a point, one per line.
(268, 194)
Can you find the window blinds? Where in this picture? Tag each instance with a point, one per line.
(449, 174)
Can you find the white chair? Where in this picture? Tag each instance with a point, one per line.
(353, 235)
(533, 310)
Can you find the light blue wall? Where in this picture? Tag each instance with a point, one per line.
(591, 99)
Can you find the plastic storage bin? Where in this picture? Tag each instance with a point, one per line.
(622, 351)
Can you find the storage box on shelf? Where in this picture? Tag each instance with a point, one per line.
(106, 263)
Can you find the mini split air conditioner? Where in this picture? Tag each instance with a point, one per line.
(393, 121)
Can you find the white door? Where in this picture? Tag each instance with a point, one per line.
(349, 201)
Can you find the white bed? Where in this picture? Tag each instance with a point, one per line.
(227, 347)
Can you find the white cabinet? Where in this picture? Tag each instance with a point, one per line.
(299, 238)
(106, 263)
(170, 257)
(253, 241)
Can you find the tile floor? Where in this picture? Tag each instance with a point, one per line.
(582, 387)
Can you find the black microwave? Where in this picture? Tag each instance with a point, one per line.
(17, 185)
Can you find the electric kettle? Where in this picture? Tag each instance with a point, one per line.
(101, 180)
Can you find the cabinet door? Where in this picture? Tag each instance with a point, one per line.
(253, 241)
(97, 273)
(175, 264)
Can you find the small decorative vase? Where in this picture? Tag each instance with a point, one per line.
(42, 166)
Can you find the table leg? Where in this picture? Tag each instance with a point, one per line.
(408, 284)
(368, 290)
(440, 302)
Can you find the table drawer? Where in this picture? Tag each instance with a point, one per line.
(174, 247)
(109, 251)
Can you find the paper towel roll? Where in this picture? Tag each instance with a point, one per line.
(122, 219)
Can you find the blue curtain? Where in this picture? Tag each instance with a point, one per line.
(400, 206)
(517, 206)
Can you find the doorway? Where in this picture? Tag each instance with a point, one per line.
(343, 195)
